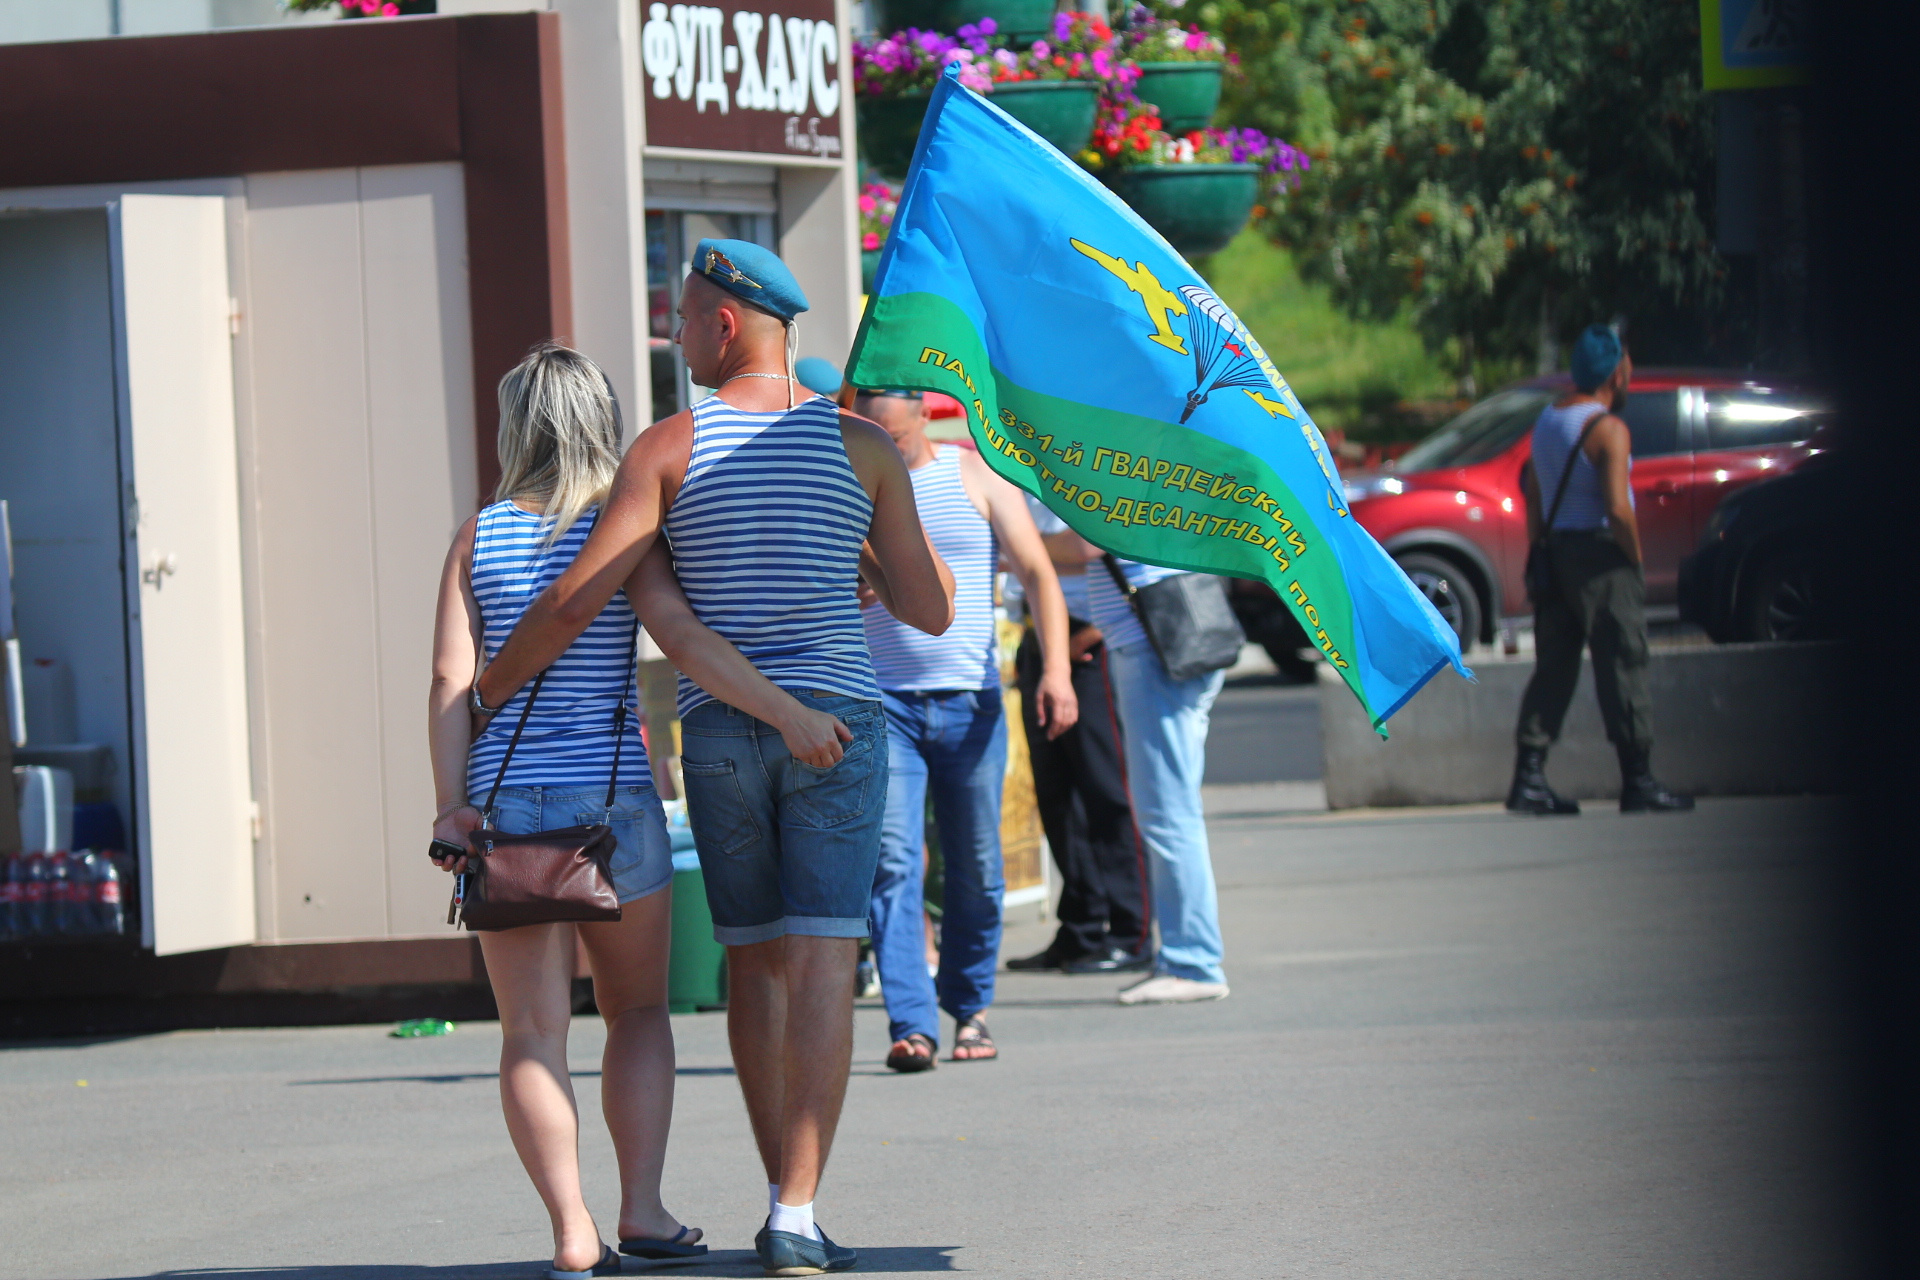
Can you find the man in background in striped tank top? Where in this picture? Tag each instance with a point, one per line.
(776, 505)
(946, 733)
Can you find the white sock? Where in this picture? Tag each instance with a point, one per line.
(794, 1218)
(773, 1197)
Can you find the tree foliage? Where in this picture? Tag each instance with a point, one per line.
(1508, 169)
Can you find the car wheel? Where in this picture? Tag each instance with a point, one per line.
(1780, 604)
(1447, 587)
(1293, 668)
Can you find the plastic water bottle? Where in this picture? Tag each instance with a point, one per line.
(80, 892)
(9, 896)
(31, 911)
(60, 893)
(109, 917)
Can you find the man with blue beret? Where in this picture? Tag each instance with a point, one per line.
(776, 505)
(1592, 595)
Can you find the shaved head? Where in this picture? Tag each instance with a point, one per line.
(719, 329)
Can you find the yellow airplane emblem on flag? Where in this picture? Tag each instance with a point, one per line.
(1274, 408)
(1159, 301)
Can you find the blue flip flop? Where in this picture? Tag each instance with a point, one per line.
(647, 1247)
(609, 1265)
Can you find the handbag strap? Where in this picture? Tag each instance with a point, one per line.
(1566, 472)
(1132, 595)
(619, 727)
(487, 811)
(1127, 589)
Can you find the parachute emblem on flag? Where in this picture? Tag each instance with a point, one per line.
(1225, 354)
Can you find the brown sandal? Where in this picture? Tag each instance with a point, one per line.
(972, 1036)
(915, 1053)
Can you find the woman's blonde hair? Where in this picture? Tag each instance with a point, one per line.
(559, 439)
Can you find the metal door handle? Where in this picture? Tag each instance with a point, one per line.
(163, 566)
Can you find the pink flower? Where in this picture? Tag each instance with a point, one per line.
(1196, 41)
(1041, 49)
(871, 240)
(866, 204)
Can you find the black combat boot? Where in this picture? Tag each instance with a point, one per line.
(1641, 792)
(1530, 793)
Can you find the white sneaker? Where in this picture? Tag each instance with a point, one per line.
(1164, 988)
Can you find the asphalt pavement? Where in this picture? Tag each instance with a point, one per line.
(1459, 1045)
(1264, 729)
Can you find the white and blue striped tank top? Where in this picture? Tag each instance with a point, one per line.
(766, 533)
(569, 737)
(1555, 433)
(966, 655)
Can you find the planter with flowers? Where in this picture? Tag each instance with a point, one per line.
(1054, 87)
(363, 8)
(878, 203)
(1198, 190)
(1180, 69)
(1019, 20)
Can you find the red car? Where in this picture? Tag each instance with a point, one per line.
(1451, 512)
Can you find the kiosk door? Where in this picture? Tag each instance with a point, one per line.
(188, 677)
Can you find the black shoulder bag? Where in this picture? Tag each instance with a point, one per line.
(1187, 620)
(1541, 583)
(546, 876)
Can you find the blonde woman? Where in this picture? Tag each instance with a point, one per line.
(559, 444)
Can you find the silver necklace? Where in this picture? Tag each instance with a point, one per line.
(783, 377)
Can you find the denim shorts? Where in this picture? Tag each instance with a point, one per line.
(643, 854)
(785, 847)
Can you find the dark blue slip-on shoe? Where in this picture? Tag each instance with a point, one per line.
(783, 1253)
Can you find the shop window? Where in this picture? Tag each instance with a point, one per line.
(671, 235)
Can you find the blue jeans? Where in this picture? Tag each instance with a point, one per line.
(642, 861)
(784, 847)
(956, 743)
(1165, 730)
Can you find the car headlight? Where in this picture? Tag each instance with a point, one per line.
(1373, 487)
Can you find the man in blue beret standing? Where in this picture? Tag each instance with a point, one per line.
(776, 505)
(1582, 466)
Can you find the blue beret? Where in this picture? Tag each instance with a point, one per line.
(816, 374)
(751, 273)
(1596, 354)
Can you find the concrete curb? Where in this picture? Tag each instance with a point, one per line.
(1748, 719)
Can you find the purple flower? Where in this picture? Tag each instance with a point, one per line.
(1062, 27)
(989, 27)
(1042, 50)
(1102, 63)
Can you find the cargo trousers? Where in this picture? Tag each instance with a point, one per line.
(1601, 605)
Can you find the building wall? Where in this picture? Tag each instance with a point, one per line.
(28, 21)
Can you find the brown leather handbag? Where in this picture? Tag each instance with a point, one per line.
(547, 876)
